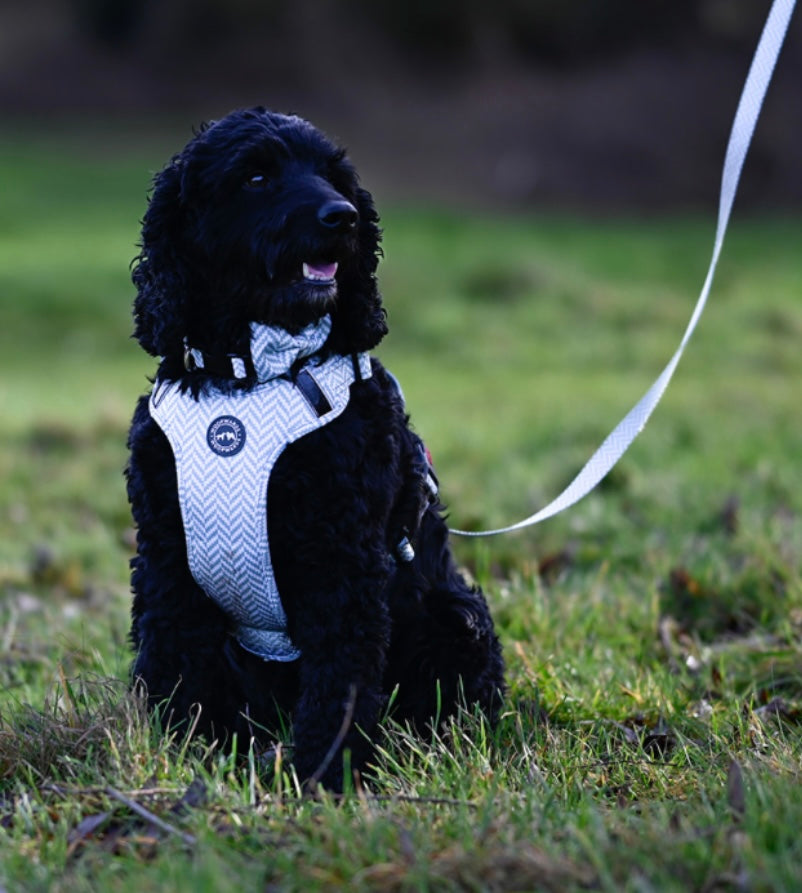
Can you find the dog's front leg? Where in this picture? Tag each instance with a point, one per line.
(341, 671)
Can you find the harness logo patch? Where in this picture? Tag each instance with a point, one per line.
(226, 436)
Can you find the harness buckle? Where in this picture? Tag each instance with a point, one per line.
(190, 363)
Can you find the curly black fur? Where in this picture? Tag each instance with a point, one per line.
(231, 219)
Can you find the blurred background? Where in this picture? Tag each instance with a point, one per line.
(603, 104)
(547, 174)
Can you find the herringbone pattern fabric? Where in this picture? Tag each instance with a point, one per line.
(274, 350)
(225, 447)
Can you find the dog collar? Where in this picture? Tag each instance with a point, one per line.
(274, 352)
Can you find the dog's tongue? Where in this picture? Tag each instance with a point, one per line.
(320, 271)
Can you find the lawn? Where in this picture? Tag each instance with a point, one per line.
(652, 737)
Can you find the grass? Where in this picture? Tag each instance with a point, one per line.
(651, 739)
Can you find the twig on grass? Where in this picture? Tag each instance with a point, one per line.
(146, 814)
(65, 791)
(411, 798)
(74, 791)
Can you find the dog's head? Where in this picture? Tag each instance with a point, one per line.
(259, 218)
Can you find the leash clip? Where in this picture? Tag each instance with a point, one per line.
(404, 550)
(190, 358)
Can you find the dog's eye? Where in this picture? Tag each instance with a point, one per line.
(256, 180)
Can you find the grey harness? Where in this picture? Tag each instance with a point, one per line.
(225, 447)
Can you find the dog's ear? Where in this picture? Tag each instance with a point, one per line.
(359, 320)
(161, 270)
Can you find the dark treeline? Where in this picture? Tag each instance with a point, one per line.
(579, 103)
(453, 32)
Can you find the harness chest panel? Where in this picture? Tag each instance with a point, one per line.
(225, 447)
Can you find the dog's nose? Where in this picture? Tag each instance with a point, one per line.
(338, 215)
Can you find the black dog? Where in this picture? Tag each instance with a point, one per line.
(256, 287)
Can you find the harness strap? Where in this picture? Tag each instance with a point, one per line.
(221, 365)
(315, 397)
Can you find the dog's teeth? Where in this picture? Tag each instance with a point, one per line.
(323, 273)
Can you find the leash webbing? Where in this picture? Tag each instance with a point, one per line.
(746, 116)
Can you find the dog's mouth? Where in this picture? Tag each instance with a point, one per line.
(319, 274)
(298, 294)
